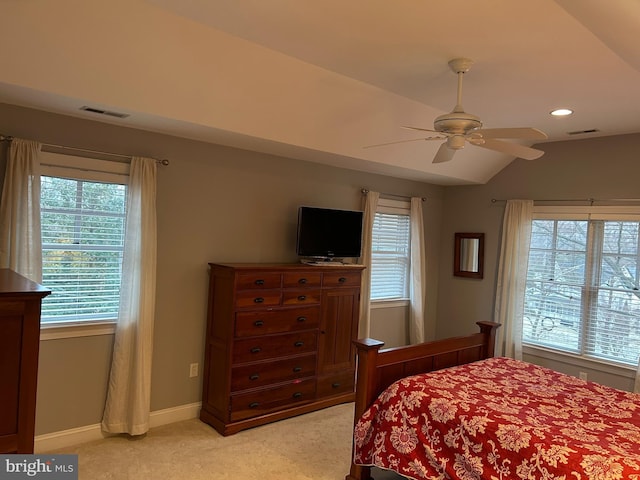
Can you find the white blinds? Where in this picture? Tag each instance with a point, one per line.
(390, 255)
(612, 297)
(582, 287)
(82, 244)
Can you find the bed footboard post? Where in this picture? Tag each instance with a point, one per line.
(367, 353)
(488, 329)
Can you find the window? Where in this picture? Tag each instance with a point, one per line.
(82, 221)
(390, 255)
(582, 291)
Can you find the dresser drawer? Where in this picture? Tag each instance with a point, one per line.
(258, 299)
(259, 402)
(343, 382)
(249, 324)
(301, 297)
(257, 280)
(265, 373)
(301, 279)
(274, 346)
(341, 279)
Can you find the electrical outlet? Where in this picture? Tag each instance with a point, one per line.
(583, 375)
(193, 370)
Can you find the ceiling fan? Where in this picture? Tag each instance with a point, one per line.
(459, 127)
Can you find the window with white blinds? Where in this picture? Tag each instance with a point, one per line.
(390, 255)
(83, 223)
(582, 292)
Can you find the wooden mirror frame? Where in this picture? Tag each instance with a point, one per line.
(458, 269)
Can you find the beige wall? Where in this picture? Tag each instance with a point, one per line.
(215, 204)
(601, 168)
(391, 325)
(222, 204)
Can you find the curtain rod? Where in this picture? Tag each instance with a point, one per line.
(590, 200)
(365, 191)
(8, 138)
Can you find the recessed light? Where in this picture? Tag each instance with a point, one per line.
(561, 112)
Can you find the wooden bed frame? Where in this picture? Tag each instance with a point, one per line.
(377, 369)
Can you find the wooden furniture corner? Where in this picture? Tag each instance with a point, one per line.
(20, 304)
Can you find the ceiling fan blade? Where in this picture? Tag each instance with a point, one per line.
(444, 154)
(514, 149)
(518, 132)
(420, 129)
(402, 141)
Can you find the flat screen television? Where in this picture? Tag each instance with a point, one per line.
(328, 233)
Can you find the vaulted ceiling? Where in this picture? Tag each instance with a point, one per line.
(320, 81)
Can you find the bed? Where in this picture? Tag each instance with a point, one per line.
(449, 409)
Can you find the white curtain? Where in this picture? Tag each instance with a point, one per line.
(512, 276)
(370, 207)
(417, 289)
(20, 235)
(129, 391)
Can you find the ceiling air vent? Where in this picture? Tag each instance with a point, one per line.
(582, 132)
(104, 112)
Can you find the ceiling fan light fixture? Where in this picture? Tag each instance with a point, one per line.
(561, 112)
(456, 142)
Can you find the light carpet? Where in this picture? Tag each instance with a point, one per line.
(315, 446)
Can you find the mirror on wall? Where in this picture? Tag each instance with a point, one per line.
(468, 255)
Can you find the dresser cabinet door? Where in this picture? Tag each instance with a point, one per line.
(338, 329)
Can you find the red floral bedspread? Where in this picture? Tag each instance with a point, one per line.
(501, 419)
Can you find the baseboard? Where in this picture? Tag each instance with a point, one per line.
(89, 433)
(174, 414)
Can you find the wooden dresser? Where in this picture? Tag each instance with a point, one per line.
(279, 342)
(20, 302)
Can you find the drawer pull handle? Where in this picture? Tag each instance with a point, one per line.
(297, 369)
(297, 395)
(258, 300)
(259, 282)
(302, 298)
(258, 323)
(342, 279)
(256, 350)
(254, 405)
(335, 385)
(302, 281)
(298, 344)
(255, 376)
(302, 319)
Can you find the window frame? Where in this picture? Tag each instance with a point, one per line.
(394, 207)
(583, 358)
(54, 164)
